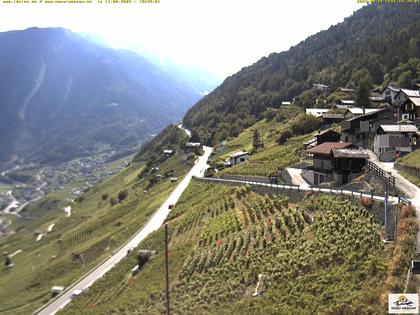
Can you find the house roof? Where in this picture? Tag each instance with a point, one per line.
(415, 100)
(370, 113)
(346, 90)
(317, 112)
(332, 115)
(327, 131)
(193, 144)
(376, 98)
(411, 93)
(349, 102)
(350, 153)
(238, 154)
(327, 147)
(392, 88)
(398, 128)
(168, 151)
(285, 103)
(359, 111)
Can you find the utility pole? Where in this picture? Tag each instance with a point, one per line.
(386, 207)
(167, 270)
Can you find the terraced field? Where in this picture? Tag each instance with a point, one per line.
(319, 256)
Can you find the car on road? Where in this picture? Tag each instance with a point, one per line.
(171, 206)
(76, 293)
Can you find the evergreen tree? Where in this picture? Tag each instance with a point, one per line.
(256, 140)
(362, 99)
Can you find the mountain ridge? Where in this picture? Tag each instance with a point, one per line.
(63, 96)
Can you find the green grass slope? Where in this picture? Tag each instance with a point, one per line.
(98, 224)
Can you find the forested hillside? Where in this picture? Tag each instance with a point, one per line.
(373, 47)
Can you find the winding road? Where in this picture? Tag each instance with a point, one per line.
(154, 222)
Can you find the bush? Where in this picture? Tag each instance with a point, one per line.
(304, 124)
(270, 114)
(122, 195)
(105, 196)
(284, 136)
(366, 202)
(408, 211)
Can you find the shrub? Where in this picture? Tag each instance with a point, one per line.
(122, 195)
(366, 202)
(304, 124)
(408, 211)
(284, 136)
(105, 196)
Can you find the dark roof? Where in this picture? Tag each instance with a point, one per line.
(238, 154)
(327, 131)
(327, 147)
(368, 114)
(393, 88)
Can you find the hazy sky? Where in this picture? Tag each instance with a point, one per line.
(220, 35)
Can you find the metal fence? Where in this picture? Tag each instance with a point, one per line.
(343, 192)
(379, 172)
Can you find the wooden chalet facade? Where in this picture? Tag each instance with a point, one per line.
(338, 162)
(410, 110)
(360, 130)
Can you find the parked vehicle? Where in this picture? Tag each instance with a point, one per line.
(76, 293)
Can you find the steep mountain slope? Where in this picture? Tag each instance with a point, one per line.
(372, 46)
(63, 96)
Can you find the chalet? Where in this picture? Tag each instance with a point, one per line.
(238, 157)
(410, 110)
(402, 96)
(360, 130)
(392, 141)
(346, 90)
(389, 93)
(321, 87)
(328, 135)
(344, 103)
(317, 112)
(192, 147)
(376, 97)
(358, 111)
(332, 118)
(339, 162)
(168, 153)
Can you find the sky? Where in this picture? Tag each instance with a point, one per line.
(221, 36)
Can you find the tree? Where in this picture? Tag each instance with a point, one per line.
(405, 80)
(362, 97)
(257, 143)
(8, 261)
(122, 195)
